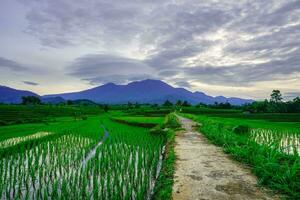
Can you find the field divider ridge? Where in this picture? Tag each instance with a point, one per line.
(92, 153)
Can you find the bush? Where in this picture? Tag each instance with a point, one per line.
(19, 121)
(3, 123)
(172, 122)
(84, 117)
(241, 129)
(157, 130)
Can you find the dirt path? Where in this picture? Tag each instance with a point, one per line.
(203, 171)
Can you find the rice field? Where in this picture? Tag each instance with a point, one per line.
(14, 141)
(284, 141)
(80, 163)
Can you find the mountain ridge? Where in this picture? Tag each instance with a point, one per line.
(11, 95)
(145, 91)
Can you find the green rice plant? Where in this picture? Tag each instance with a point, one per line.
(171, 121)
(285, 141)
(53, 167)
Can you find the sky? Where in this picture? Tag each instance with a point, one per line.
(242, 48)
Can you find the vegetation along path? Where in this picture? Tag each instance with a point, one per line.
(203, 171)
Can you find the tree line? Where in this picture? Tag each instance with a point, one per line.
(274, 105)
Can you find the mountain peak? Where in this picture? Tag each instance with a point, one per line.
(11, 95)
(148, 81)
(109, 84)
(145, 91)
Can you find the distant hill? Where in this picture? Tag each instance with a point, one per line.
(83, 102)
(13, 96)
(52, 100)
(146, 91)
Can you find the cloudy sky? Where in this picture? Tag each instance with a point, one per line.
(240, 48)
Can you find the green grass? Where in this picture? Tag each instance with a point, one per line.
(164, 184)
(148, 111)
(151, 120)
(271, 117)
(61, 124)
(204, 110)
(20, 114)
(139, 121)
(253, 123)
(274, 167)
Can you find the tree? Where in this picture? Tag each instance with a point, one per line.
(105, 108)
(201, 105)
(276, 96)
(30, 100)
(69, 102)
(155, 106)
(186, 104)
(296, 100)
(129, 105)
(168, 103)
(275, 105)
(137, 105)
(179, 103)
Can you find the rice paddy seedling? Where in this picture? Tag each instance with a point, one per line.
(14, 141)
(121, 165)
(285, 141)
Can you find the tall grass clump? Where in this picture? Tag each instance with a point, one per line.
(171, 121)
(164, 184)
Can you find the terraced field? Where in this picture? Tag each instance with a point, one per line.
(125, 164)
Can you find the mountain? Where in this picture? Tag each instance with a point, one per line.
(83, 102)
(146, 91)
(52, 100)
(14, 96)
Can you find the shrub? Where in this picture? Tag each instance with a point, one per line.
(3, 123)
(19, 121)
(157, 130)
(172, 122)
(84, 117)
(241, 129)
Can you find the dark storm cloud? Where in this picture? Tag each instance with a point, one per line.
(10, 64)
(167, 73)
(59, 23)
(247, 74)
(283, 14)
(171, 58)
(225, 43)
(30, 83)
(117, 79)
(99, 68)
